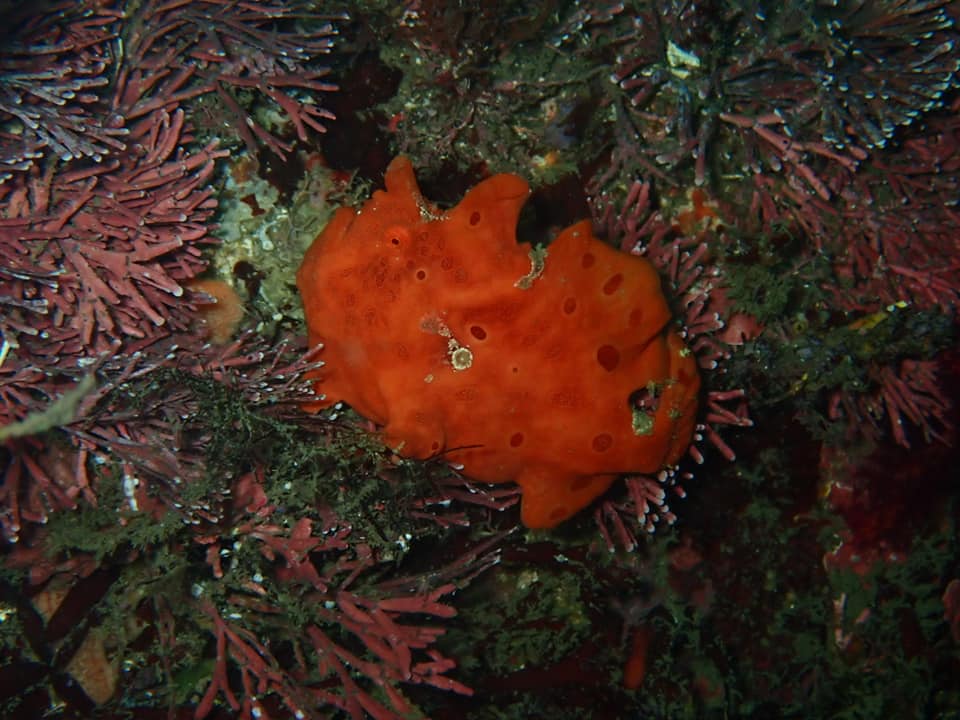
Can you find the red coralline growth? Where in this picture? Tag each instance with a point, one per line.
(105, 188)
(366, 644)
(779, 92)
(556, 369)
(95, 256)
(105, 196)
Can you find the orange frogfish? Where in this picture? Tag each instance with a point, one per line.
(556, 368)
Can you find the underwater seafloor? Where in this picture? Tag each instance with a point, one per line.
(182, 540)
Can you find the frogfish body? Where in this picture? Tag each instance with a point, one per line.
(557, 369)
